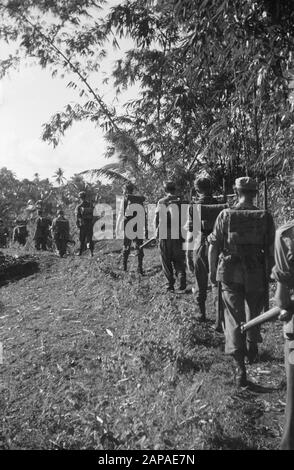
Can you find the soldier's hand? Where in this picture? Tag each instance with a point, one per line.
(285, 315)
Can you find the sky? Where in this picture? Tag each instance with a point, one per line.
(28, 98)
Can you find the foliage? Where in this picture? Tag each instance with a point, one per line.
(215, 80)
(16, 195)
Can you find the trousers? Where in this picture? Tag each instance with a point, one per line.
(86, 236)
(240, 306)
(287, 442)
(173, 260)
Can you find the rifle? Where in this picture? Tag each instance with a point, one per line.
(147, 243)
(271, 314)
(266, 254)
(220, 318)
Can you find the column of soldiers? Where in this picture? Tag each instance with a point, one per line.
(234, 250)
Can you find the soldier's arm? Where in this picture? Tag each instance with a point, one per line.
(156, 221)
(215, 241)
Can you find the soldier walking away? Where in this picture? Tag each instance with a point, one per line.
(85, 222)
(199, 265)
(4, 234)
(60, 232)
(168, 231)
(42, 231)
(124, 217)
(283, 273)
(237, 260)
(20, 232)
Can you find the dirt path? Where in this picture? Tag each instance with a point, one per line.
(94, 357)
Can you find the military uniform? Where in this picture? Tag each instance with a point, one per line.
(242, 279)
(85, 222)
(60, 231)
(126, 214)
(283, 272)
(4, 233)
(171, 244)
(42, 232)
(20, 233)
(200, 255)
(241, 272)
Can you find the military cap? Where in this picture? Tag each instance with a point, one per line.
(245, 182)
(82, 194)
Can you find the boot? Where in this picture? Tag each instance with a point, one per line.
(252, 352)
(201, 315)
(241, 376)
(125, 261)
(140, 265)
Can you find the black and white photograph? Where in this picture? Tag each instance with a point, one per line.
(146, 230)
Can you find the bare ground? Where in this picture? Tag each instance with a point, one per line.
(95, 358)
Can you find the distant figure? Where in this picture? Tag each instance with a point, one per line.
(4, 234)
(60, 232)
(85, 222)
(20, 232)
(168, 231)
(125, 216)
(42, 231)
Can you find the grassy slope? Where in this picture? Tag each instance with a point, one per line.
(155, 380)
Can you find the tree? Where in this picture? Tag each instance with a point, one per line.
(214, 80)
(59, 177)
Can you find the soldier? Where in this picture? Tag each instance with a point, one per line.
(125, 216)
(199, 265)
(4, 234)
(241, 270)
(283, 273)
(42, 231)
(60, 232)
(168, 231)
(20, 232)
(85, 222)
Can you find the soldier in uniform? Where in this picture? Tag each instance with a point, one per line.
(85, 222)
(241, 271)
(199, 265)
(283, 273)
(4, 234)
(124, 217)
(20, 232)
(42, 231)
(60, 232)
(170, 237)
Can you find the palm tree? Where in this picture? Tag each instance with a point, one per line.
(59, 176)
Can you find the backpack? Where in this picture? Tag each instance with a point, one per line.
(209, 214)
(131, 199)
(87, 213)
(247, 233)
(62, 228)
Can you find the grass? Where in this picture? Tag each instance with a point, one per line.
(95, 358)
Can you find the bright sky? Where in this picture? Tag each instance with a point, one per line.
(28, 98)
